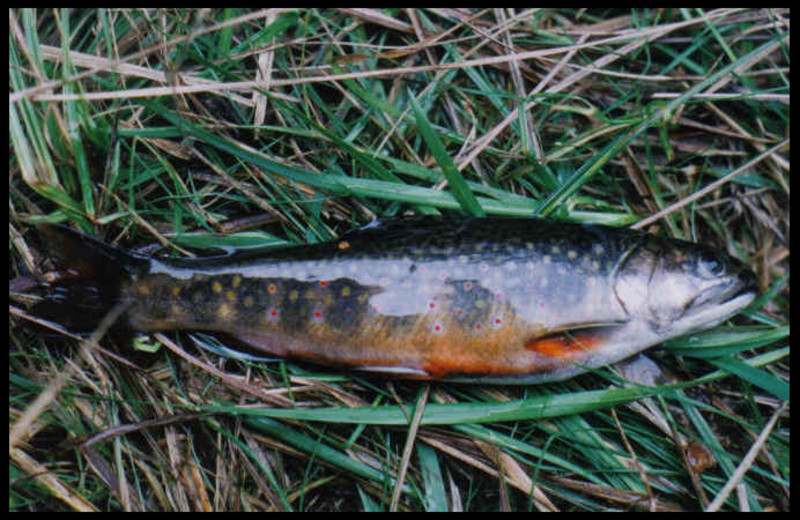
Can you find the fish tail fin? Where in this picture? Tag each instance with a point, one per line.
(88, 280)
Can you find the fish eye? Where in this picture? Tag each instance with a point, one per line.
(709, 265)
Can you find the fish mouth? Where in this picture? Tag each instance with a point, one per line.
(743, 288)
(717, 304)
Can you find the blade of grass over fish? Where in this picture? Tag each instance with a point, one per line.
(242, 240)
(455, 180)
(589, 169)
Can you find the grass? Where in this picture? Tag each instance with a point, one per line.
(195, 129)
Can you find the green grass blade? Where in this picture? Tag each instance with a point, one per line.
(455, 180)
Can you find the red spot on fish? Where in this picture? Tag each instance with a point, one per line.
(317, 315)
(431, 305)
(467, 286)
(323, 283)
(437, 328)
(272, 288)
(478, 326)
(272, 314)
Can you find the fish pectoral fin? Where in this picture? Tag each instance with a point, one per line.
(572, 343)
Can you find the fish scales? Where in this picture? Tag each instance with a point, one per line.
(495, 299)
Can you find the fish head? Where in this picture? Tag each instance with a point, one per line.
(682, 287)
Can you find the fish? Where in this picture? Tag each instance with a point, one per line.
(482, 300)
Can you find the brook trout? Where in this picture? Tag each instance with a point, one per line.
(496, 300)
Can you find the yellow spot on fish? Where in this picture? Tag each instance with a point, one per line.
(248, 301)
(599, 250)
(223, 312)
(230, 296)
(309, 294)
(329, 300)
(528, 245)
(344, 244)
(197, 297)
(293, 296)
(216, 287)
(272, 288)
(546, 259)
(176, 291)
(177, 311)
(572, 254)
(595, 265)
(555, 250)
(143, 289)
(345, 291)
(237, 281)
